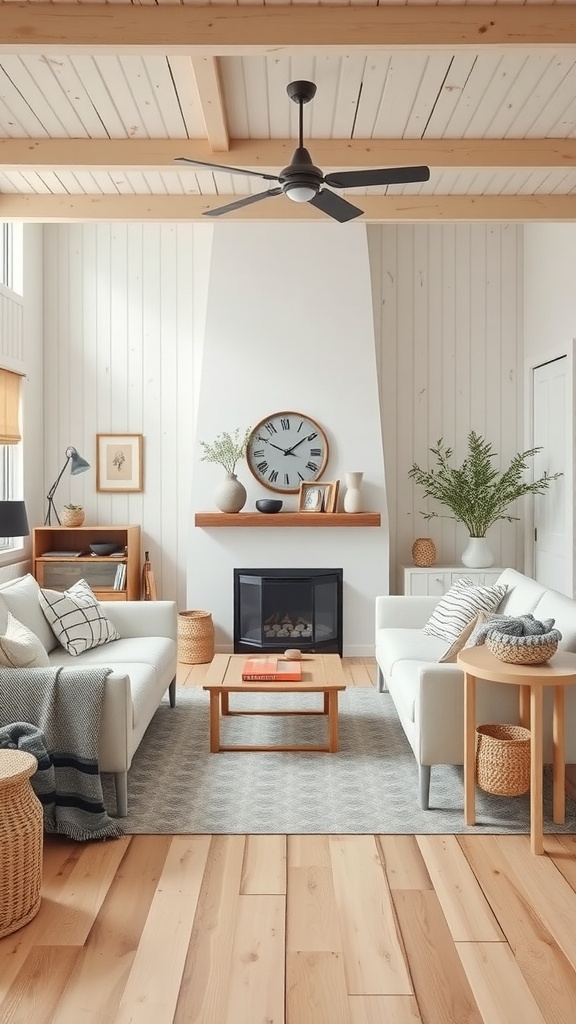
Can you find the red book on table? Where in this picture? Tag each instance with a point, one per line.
(274, 669)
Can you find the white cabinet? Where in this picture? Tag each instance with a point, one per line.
(436, 580)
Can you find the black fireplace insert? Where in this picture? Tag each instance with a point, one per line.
(277, 609)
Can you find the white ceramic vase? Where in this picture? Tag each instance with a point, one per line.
(353, 496)
(230, 495)
(477, 554)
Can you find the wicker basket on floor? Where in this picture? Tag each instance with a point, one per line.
(523, 650)
(21, 838)
(503, 759)
(195, 637)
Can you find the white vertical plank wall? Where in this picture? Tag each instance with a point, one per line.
(119, 358)
(447, 301)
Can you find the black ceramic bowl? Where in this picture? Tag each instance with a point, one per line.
(269, 504)
(104, 548)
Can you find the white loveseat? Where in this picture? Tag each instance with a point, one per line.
(143, 663)
(429, 696)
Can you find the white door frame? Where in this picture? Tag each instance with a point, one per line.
(548, 357)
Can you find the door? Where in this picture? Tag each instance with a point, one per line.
(552, 510)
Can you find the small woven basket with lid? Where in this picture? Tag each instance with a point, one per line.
(423, 552)
(523, 650)
(503, 759)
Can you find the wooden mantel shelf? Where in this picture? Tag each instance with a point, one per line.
(283, 519)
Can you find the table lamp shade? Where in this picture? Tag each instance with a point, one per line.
(13, 519)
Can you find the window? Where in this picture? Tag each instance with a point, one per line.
(11, 265)
(10, 442)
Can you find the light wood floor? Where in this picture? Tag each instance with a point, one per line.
(298, 929)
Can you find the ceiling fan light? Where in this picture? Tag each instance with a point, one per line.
(301, 193)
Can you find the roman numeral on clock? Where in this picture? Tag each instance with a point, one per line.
(271, 428)
(286, 480)
(312, 467)
(285, 423)
(262, 466)
(273, 476)
(315, 453)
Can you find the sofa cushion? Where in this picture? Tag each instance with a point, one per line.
(459, 605)
(397, 644)
(76, 618)
(20, 647)
(21, 598)
(562, 609)
(522, 595)
(157, 651)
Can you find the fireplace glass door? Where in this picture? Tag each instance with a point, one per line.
(276, 609)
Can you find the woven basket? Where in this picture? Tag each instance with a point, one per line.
(72, 516)
(195, 637)
(538, 650)
(503, 759)
(21, 837)
(423, 552)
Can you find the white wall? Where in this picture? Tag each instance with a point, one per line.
(289, 326)
(125, 314)
(448, 311)
(549, 290)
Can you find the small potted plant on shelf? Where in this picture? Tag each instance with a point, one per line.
(227, 449)
(72, 515)
(477, 493)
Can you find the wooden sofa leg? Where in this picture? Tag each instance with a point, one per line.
(172, 693)
(424, 785)
(121, 786)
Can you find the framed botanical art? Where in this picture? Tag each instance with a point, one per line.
(119, 462)
(318, 497)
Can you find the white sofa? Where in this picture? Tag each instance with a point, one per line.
(143, 663)
(429, 697)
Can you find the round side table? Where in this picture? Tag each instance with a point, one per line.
(21, 839)
(559, 672)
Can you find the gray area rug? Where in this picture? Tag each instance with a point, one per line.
(370, 786)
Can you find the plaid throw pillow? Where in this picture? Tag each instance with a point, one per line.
(76, 618)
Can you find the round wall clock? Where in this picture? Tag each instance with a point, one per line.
(285, 449)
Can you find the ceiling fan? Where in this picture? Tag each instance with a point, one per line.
(302, 182)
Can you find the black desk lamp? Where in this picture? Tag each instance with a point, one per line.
(13, 519)
(77, 465)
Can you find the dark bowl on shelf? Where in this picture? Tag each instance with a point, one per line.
(104, 548)
(269, 504)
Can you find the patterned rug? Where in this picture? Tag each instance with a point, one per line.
(370, 786)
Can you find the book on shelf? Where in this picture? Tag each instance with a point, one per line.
(120, 577)
(63, 554)
(275, 669)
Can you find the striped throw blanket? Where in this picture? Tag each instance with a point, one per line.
(55, 713)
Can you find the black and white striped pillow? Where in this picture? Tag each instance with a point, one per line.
(76, 618)
(459, 606)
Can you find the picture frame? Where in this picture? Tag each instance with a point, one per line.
(318, 496)
(119, 463)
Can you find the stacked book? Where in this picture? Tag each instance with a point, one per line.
(274, 669)
(120, 577)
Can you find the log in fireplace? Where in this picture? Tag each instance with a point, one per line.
(275, 609)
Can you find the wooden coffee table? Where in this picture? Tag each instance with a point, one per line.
(321, 673)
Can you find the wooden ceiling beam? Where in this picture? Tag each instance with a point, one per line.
(271, 155)
(377, 209)
(207, 78)
(238, 30)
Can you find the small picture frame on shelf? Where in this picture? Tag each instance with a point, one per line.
(318, 496)
(119, 462)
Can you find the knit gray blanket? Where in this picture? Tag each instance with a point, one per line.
(55, 713)
(525, 627)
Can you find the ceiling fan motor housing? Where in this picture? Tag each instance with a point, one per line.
(301, 173)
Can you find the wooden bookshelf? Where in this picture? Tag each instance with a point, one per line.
(60, 571)
(280, 520)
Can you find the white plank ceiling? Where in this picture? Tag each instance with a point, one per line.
(93, 111)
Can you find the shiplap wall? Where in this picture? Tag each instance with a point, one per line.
(119, 321)
(447, 304)
(11, 330)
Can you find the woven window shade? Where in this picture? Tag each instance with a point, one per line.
(9, 407)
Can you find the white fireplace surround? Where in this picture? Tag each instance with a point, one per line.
(287, 323)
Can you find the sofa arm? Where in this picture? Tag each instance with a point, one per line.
(400, 611)
(143, 618)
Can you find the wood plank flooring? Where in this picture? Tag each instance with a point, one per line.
(368, 929)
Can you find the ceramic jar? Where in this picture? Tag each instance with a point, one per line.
(230, 494)
(353, 497)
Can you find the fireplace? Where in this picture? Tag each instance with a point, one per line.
(275, 609)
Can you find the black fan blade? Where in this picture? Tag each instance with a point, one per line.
(381, 176)
(230, 170)
(245, 201)
(336, 207)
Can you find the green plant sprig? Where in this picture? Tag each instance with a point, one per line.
(226, 449)
(477, 493)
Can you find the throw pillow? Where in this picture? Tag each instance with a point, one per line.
(20, 647)
(462, 640)
(459, 606)
(77, 618)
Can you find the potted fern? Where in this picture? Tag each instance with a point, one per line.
(477, 493)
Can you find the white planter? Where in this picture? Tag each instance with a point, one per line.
(353, 496)
(477, 554)
(230, 495)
